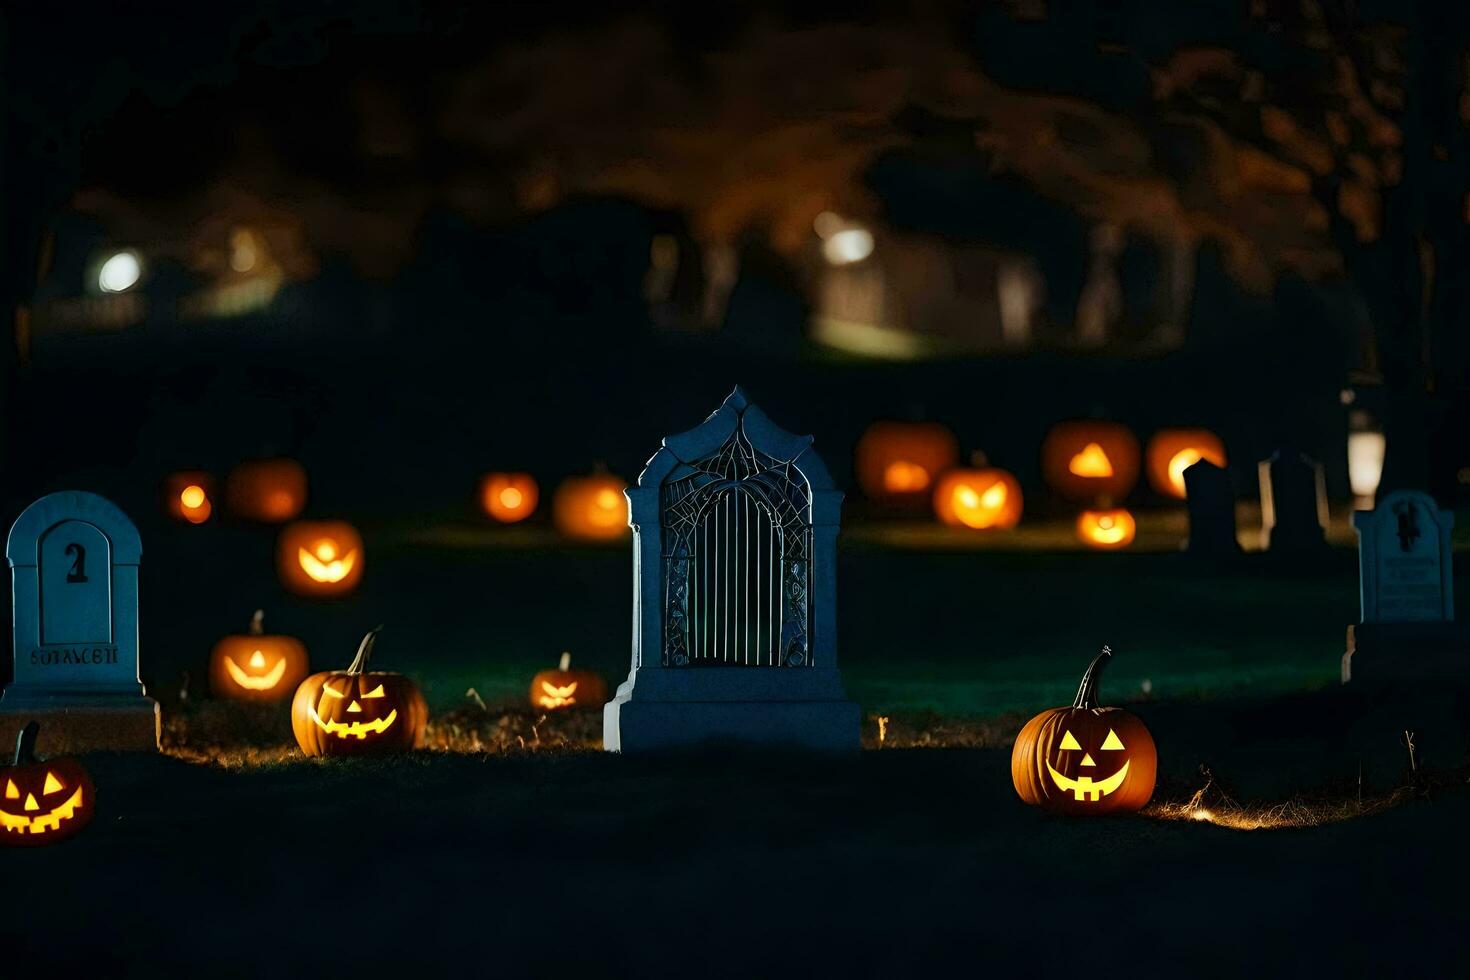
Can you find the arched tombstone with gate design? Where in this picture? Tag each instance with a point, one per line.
(74, 578)
(734, 593)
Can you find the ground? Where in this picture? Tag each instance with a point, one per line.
(522, 850)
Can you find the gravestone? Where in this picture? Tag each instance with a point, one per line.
(1211, 504)
(1406, 581)
(734, 603)
(74, 579)
(1293, 504)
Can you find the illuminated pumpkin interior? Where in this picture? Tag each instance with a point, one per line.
(557, 695)
(194, 505)
(43, 815)
(1106, 529)
(1084, 787)
(322, 563)
(511, 498)
(358, 729)
(1091, 462)
(901, 476)
(256, 677)
(979, 510)
(606, 509)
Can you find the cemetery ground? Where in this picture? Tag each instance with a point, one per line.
(514, 847)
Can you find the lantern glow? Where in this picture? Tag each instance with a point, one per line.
(267, 490)
(187, 496)
(898, 462)
(901, 476)
(1172, 451)
(591, 508)
(509, 497)
(1106, 529)
(1365, 451)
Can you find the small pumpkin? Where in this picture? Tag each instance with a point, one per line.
(357, 711)
(320, 558)
(1089, 459)
(567, 688)
(591, 508)
(267, 490)
(898, 462)
(978, 498)
(1172, 451)
(257, 666)
(1106, 530)
(189, 496)
(42, 802)
(1085, 759)
(509, 497)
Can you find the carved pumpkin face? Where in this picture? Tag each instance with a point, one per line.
(256, 666)
(1090, 460)
(1085, 759)
(1172, 451)
(357, 711)
(567, 688)
(592, 508)
(1107, 530)
(320, 557)
(42, 802)
(509, 497)
(978, 498)
(189, 496)
(899, 462)
(267, 490)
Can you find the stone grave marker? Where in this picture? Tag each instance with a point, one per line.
(1293, 504)
(74, 578)
(1211, 504)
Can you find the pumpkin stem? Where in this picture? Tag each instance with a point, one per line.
(25, 744)
(364, 651)
(1087, 691)
(257, 623)
(566, 661)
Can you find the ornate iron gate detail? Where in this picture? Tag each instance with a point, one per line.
(737, 546)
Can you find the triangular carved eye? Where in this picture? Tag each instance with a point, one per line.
(53, 785)
(11, 791)
(1112, 741)
(1069, 742)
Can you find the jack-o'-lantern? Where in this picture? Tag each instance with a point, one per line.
(591, 508)
(978, 498)
(1172, 451)
(256, 666)
(509, 497)
(42, 802)
(1089, 459)
(567, 688)
(1085, 759)
(320, 558)
(1108, 530)
(357, 711)
(267, 490)
(189, 496)
(899, 462)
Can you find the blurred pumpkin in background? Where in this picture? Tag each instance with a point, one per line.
(1108, 530)
(267, 490)
(591, 508)
(320, 558)
(1172, 451)
(189, 496)
(1089, 459)
(980, 498)
(257, 666)
(509, 497)
(567, 688)
(357, 711)
(899, 462)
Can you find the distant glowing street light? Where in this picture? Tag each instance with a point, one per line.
(120, 272)
(848, 246)
(1365, 449)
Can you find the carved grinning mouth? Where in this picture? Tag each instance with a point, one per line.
(1083, 788)
(354, 729)
(44, 823)
(334, 570)
(556, 697)
(262, 683)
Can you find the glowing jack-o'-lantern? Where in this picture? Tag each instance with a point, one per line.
(899, 462)
(320, 558)
(1090, 459)
(567, 688)
(189, 496)
(1085, 759)
(591, 508)
(267, 490)
(42, 802)
(256, 666)
(1106, 529)
(509, 497)
(978, 498)
(1172, 451)
(357, 711)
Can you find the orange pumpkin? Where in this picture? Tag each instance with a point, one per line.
(1108, 530)
(509, 497)
(1085, 759)
(591, 508)
(256, 666)
(1172, 451)
(567, 688)
(1089, 460)
(898, 462)
(189, 496)
(320, 558)
(267, 490)
(357, 711)
(42, 802)
(978, 498)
